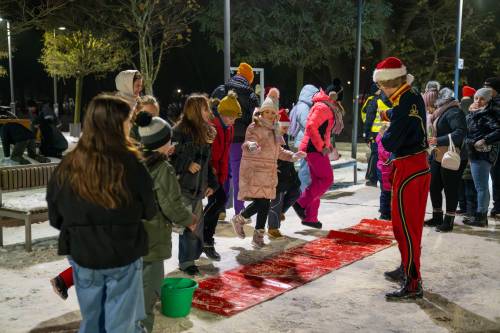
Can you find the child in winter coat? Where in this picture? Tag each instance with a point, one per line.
(192, 157)
(385, 171)
(288, 189)
(225, 113)
(258, 170)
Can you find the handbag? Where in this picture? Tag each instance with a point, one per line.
(451, 159)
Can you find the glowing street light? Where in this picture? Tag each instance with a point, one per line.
(11, 69)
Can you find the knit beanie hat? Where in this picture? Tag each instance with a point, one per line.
(229, 105)
(284, 120)
(246, 71)
(468, 91)
(432, 85)
(268, 104)
(154, 131)
(485, 93)
(493, 83)
(389, 69)
(444, 96)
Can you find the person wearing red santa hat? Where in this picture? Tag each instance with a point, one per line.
(406, 139)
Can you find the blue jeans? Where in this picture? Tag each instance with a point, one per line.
(111, 300)
(480, 170)
(470, 196)
(304, 175)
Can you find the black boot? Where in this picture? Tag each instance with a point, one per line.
(396, 275)
(437, 219)
(479, 220)
(494, 212)
(447, 224)
(301, 212)
(406, 292)
(211, 253)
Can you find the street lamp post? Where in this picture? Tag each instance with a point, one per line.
(227, 40)
(11, 70)
(457, 51)
(354, 148)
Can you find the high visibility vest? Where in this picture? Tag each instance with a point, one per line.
(377, 123)
(363, 112)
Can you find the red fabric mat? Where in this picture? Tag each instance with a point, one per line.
(241, 288)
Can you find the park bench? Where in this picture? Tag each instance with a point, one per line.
(22, 194)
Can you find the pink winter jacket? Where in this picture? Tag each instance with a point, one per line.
(385, 169)
(259, 170)
(319, 125)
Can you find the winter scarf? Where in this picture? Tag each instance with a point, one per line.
(275, 127)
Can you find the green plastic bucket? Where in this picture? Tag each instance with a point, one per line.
(177, 296)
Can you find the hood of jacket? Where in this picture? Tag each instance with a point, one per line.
(321, 96)
(307, 93)
(125, 83)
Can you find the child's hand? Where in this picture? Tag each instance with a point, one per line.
(254, 147)
(209, 192)
(194, 167)
(298, 156)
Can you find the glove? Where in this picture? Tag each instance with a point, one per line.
(253, 147)
(298, 156)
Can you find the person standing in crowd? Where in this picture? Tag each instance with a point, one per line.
(448, 123)
(191, 159)
(259, 172)
(316, 143)
(298, 120)
(467, 99)
(225, 114)
(406, 139)
(370, 112)
(155, 134)
(129, 84)
(483, 136)
(100, 186)
(494, 105)
(148, 104)
(288, 188)
(430, 96)
(248, 100)
(384, 167)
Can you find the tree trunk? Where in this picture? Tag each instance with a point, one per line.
(300, 79)
(78, 99)
(145, 66)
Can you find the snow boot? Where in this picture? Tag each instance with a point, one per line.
(258, 238)
(447, 224)
(437, 219)
(238, 222)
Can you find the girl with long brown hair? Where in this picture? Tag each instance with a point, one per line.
(97, 197)
(193, 136)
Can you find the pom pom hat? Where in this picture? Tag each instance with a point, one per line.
(389, 69)
(154, 131)
(229, 105)
(246, 71)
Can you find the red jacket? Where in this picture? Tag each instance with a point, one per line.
(220, 149)
(319, 125)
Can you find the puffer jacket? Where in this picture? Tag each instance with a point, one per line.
(171, 208)
(319, 125)
(483, 124)
(259, 170)
(382, 165)
(248, 101)
(299, 113)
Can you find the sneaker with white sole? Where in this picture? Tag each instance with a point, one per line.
(238, 222)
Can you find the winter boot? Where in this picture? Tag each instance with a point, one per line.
(447, 224)
(238, 222)
(210, 252)
(437, 219)
(479, 220)
(258, 238)
(396, 275)
(407, 291)
(274, 233)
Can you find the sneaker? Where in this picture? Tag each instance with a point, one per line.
(210, 252)
(301, 212)
(405, 292)
(396, 275)
(191, 270)
(222, 216)
(59, 287)
(316, 225)
(258, 238)
(238, 222)
(274, 233)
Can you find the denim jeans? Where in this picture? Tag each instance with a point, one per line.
(304, 175)
(480, 170)
(470, 196)
(111, 300)
(191, 243)
(280, 204)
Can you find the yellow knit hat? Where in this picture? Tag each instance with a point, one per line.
(229, 105)
(246, 71)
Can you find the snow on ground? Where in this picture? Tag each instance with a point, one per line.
(460, 272)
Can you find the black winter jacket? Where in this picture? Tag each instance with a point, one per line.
(452, 121)
(483, 124)
(100, 238)
(13, 133)
(287, 175)
(248, 101)
(186, 152)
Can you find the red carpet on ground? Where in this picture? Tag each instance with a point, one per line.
(241, 288)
